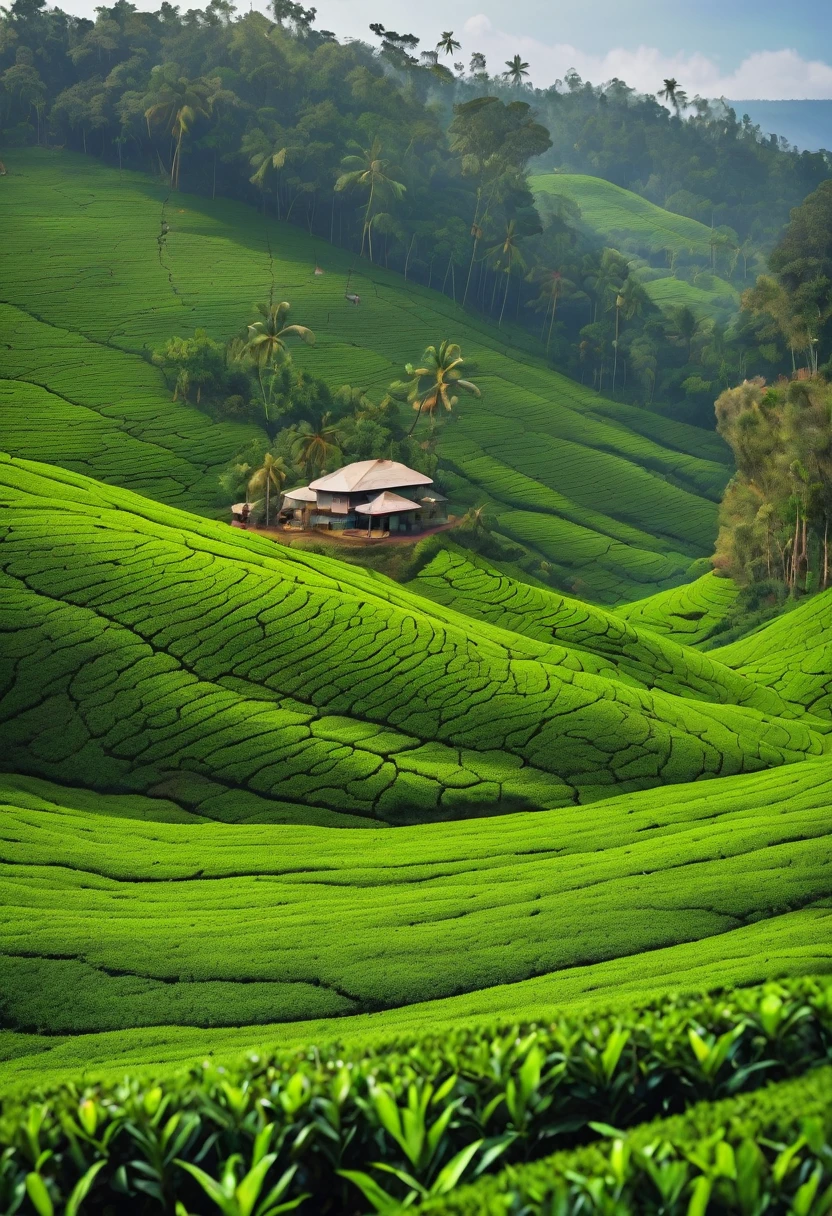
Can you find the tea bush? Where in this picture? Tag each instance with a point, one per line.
(427, 1109)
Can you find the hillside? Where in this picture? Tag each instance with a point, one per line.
(226, 672)
(580, 481)
(625, 220)
(615, 213)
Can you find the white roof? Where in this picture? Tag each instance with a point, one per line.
(387, 504)
(370, 475)
(301, 494)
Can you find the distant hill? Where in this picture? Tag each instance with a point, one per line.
(807, 124)
(633, 224)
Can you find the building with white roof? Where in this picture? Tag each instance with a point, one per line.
(383, 494)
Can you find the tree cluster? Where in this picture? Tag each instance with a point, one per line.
(775, 515)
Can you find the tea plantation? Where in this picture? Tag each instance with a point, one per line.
(613, 211)
(580, 481)
(320, 892)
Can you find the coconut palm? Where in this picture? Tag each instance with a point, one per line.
(553, 287)
(673, 94)
(629, 302)
(517, 71)
(448, 43)
(176, 106)
(435, 382)
(507, 255)
(267, 341)
(316, 446)
(365, 169)
(270, 476)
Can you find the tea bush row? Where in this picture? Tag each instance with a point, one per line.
(473, 587)
(765, 1152)
(427, 1108)
(221, 924)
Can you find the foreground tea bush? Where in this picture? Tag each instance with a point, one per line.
(770, 1152)
(403, 1120)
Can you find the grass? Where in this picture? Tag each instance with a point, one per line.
(614, 212)
(578, 480)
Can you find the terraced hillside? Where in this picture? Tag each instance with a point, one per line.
(150, 651)
(619, 502)
(649, 657)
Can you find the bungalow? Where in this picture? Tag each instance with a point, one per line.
(376, 495)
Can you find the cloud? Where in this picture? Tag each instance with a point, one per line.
(774, 75)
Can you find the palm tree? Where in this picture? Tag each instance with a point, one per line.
(554, 287)
(177, 105)
(673, 94)
(366, 170)
(517, 71)
(317, 445)
(434, 382)
(448, 43)
(508, 255)
(271, 475)
(629, 303)
(267, 341)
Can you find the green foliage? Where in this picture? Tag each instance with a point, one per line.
(421, 1111)
(765, 1152)
(774, 519)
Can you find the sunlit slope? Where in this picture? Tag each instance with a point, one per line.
(150, 650)
(617, 504)
(792, 655)
(689, 614)
(474, 587)
(214, 924)
(85, 404)
(612, 212)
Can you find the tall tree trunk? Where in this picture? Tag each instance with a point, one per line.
(552, 322)
(825, 554)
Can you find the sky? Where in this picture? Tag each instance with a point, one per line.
(739, 49)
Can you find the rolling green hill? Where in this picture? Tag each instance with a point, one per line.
(620, 218)
(150, 651)
(614, 212)
(224, 708)
(618, 502)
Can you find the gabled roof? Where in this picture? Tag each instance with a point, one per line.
(301, 494)
(387, 504)
(370, 475)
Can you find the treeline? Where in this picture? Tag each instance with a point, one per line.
(421, 168)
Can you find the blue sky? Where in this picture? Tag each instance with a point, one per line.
(733, 48)
(739, 48)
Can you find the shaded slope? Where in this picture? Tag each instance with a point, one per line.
(217, 924)
(149, 650)
(617, 503)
